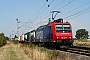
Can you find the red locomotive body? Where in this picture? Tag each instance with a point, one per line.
(61, 32)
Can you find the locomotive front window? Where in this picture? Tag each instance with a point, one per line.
(62, 27)
(66, 27)
(58, 28)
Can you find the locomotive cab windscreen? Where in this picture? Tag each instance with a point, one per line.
(63, 28)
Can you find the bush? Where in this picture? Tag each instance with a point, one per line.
(84, 40)
(1, 42)
(2, 39)
(16, 41)
(4, 42)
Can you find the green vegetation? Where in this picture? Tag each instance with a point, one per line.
(53, 54)
(16, 41)
(36, 50)
(12, 55)
(81, 34)
(3, 39)
(31, 45)
(42, 49)
(13, 51)
(84, 40)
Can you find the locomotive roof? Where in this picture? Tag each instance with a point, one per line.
(60, 21)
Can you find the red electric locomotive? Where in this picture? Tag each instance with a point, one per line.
(61, 32)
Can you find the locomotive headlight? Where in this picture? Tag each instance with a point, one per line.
(58, 37)
(54, 41)
(70, 37)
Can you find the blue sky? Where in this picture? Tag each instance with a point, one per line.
(75, 11)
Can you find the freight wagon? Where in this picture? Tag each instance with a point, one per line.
(43, 34)
(27, 37)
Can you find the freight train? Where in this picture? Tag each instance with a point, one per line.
(57, 32)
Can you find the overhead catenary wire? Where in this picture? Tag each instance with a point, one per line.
(58, 4)
(80, 14)
(84, 11)
(39, 10)
(52, 9)
(34, 15)
(66, 4)
(77, 8)
(40, 21)
(76, 13)
(44, 10)
(39, 14)
(62, 6)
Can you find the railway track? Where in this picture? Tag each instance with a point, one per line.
(77, 50)
(72, 49)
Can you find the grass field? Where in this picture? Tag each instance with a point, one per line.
(83, 43)
(12, 51)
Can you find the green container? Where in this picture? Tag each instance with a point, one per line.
(28, 36)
